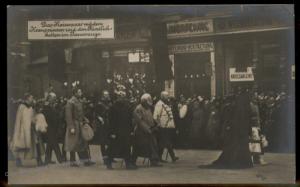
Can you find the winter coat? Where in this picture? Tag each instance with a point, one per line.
(74, 116)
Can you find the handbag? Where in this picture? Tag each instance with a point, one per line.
(87, 132)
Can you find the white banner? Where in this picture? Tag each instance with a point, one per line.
(71, 29)
(241, 76)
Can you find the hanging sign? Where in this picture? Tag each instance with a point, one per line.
(71, 29)
(241, 76)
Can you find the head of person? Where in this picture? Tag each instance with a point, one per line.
(77, 92)
(181, 99)
(105, 95)
(28, 99)
(121, 94)
(164, 96)
(51, 97)
(146, 100)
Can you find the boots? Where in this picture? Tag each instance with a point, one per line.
(19, 162)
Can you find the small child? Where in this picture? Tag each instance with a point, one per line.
(40, 128)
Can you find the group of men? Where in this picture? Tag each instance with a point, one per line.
(123, 130)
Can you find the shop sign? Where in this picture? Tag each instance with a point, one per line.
(241, 76)
(105, 54)
(247, 23)
(293, 72)
(189, 28)
(71, 29)
(191, 48)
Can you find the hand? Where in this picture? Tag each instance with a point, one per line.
(113, 136)
(72, 131)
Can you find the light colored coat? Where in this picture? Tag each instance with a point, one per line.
(23, 142)
(74, 118)
(163, 115)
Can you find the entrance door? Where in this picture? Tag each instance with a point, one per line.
(191, 75)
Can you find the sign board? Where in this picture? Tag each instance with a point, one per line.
(241, 76)
(191, 48)
(189, 28)
(105, 54)
(71, 29)
(293, 72)
(231, 24)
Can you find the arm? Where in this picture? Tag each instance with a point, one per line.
(69, 115)
(137, 116)
(157, 113)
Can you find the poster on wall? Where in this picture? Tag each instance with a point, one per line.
(293, 72)
(71, 29)
(240, 76)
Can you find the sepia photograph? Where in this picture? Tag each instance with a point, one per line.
(151, 94)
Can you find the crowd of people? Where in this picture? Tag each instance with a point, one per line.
(128, 123)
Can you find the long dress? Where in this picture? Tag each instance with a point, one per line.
(23, 143)
(236, 153)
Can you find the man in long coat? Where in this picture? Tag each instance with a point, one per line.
(51, 113)
(102, 112)
(120, 131)
(145, 142)
(73, 140)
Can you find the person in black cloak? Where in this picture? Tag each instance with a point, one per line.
(236, 153)
(120, 131)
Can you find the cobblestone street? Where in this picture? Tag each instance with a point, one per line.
(280, 170)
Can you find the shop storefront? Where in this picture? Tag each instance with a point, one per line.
(193, 58)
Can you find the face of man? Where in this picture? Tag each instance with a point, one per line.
(106, 95)
(51, 99)
(78, 93)
(29, 100)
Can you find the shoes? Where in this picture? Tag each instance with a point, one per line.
(50, 162)
(109, 167)
(40, 163)
(89, 163)
(155, 164)
(19, 163)
(163, 161)
(175, 159)
(131, 167)
(74, 165)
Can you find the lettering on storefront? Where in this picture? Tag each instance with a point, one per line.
(241, 76)
(191, 48)
(248, 23)
(71, 29)
(189, 28)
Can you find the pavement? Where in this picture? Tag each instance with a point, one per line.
(281, 169)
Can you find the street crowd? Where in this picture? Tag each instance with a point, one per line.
(127, 122)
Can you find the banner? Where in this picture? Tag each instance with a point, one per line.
(241, 76)
(71, 29)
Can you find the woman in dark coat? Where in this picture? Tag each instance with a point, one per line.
(197, 122)
(236, 152)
